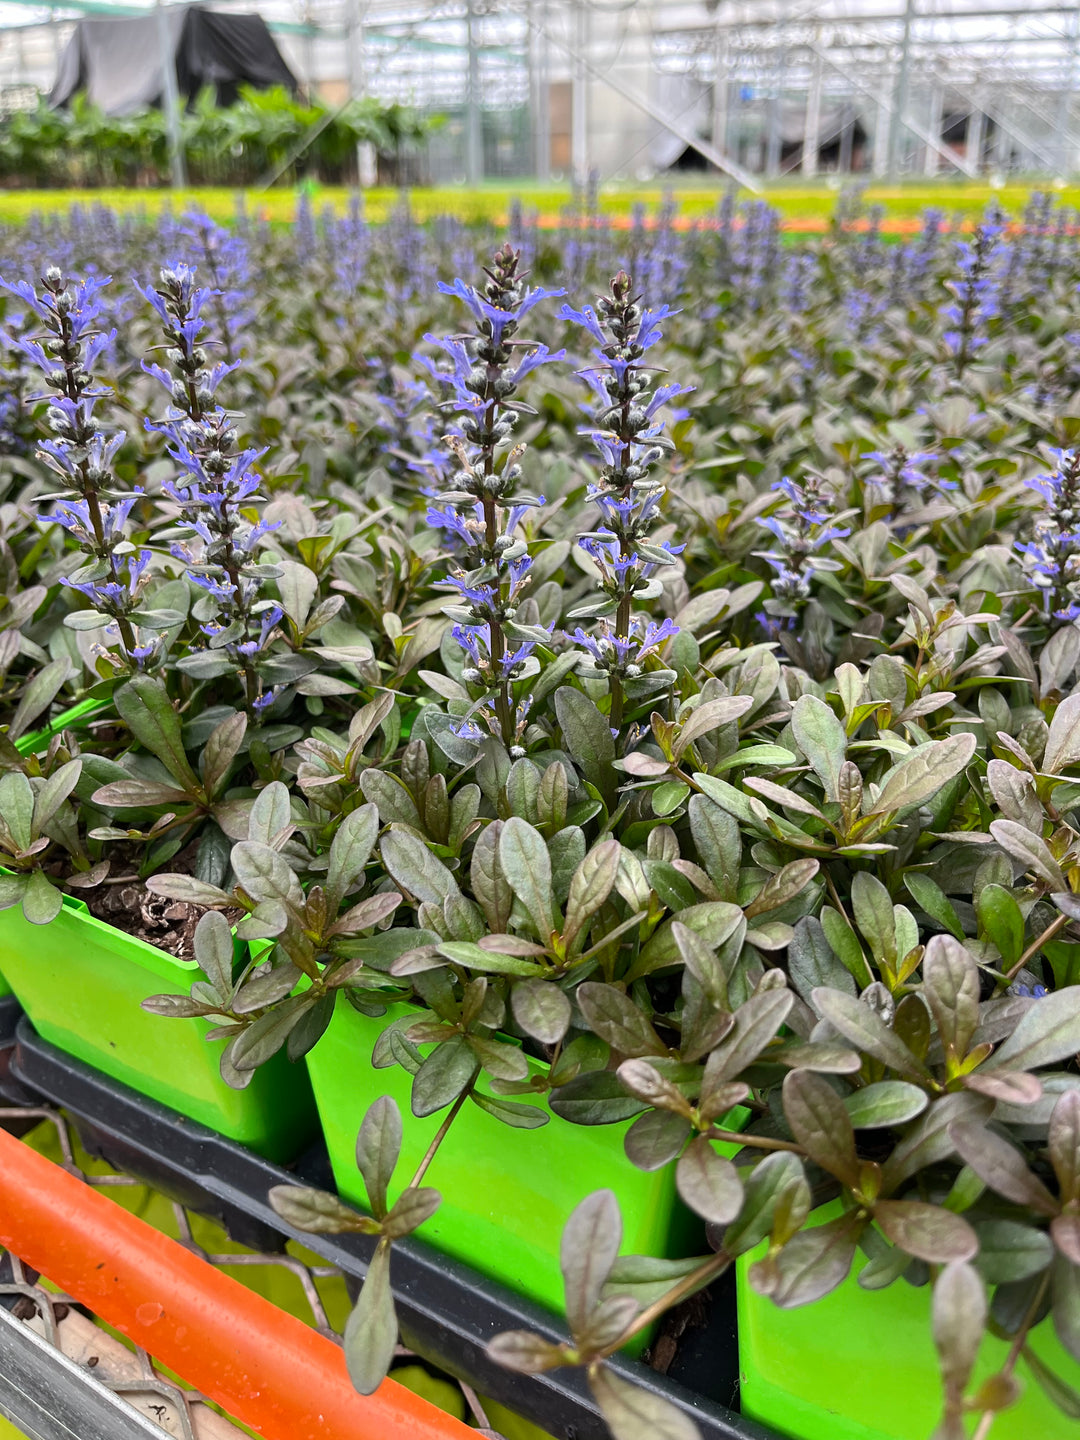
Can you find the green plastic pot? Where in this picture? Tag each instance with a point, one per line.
(861, 1365)
(81, 983)
(507, 1193)
(75, 718)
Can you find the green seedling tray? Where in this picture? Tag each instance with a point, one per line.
(81, 983)
(861, 1365)
(507, 1193)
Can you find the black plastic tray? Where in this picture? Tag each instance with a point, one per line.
(11, 1092)
(448, 1311)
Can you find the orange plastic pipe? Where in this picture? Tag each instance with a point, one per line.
(265, 1367)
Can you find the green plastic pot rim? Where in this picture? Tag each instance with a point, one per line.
(734, 1119)
(150, 957)
(76, 717)
(542, 1066)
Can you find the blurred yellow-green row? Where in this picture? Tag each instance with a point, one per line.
(803, 206)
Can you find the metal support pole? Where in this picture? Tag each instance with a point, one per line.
(931, 159)
(882, 131)
(999, 147)
(171, 101)
(900, 94)
(976, 131)
(1063, 147)
(474, 139)
(720, 90)
(54, 1398)
(812, 125)
(309, 55)
(847, 138)
(579, 140)
(1037, 154)
(647, 107)
(911, 124)
(540, 85)
(776, 99)
(367, 163)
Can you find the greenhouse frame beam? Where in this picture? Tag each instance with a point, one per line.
(109, 9)
(654, 112)
(171, 100)
(902, 118)
(893, 17)
(50, 1397)
(900, 93)
(991, 108)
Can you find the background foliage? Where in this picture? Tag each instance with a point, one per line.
(235, 145)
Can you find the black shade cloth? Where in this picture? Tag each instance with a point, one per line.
(118, 62)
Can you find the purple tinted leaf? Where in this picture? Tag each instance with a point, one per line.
(951, 989)
(1011, 1087)
(926, 1231)
(371, 1332)
(317, 1212)
(441, 1078)
(708, 1183)
(820, 1123)
(655, 1139)
(615, 1018)
(863, 1028)
(412, 1207)
(608, 1324)
(378, 1146)
(1065, 1308)
(541, 1009)
(1001, 1166)
(590, 1245)
(1066, 1232)
(929, 1141)
(757, 1024)
(773, 1178)
(1064, 1145)
(634, 1414)
(1045, 1034)
(646, 1082)
(816, 1261)
(959, 1318)
(489, 883)
(526, 1353)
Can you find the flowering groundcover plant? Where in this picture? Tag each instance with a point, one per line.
(722, 758)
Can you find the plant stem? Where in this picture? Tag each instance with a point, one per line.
(1036, 945)
(688, 1285)
(504, 710)
(440, 1136)
(1019, 1340)
(72, 359)
(757, 1142)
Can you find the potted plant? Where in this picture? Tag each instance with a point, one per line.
(513, 957)
(910, 1075)
(98, 823)
(767, 917)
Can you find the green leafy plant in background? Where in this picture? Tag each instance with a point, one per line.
(265, 132)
